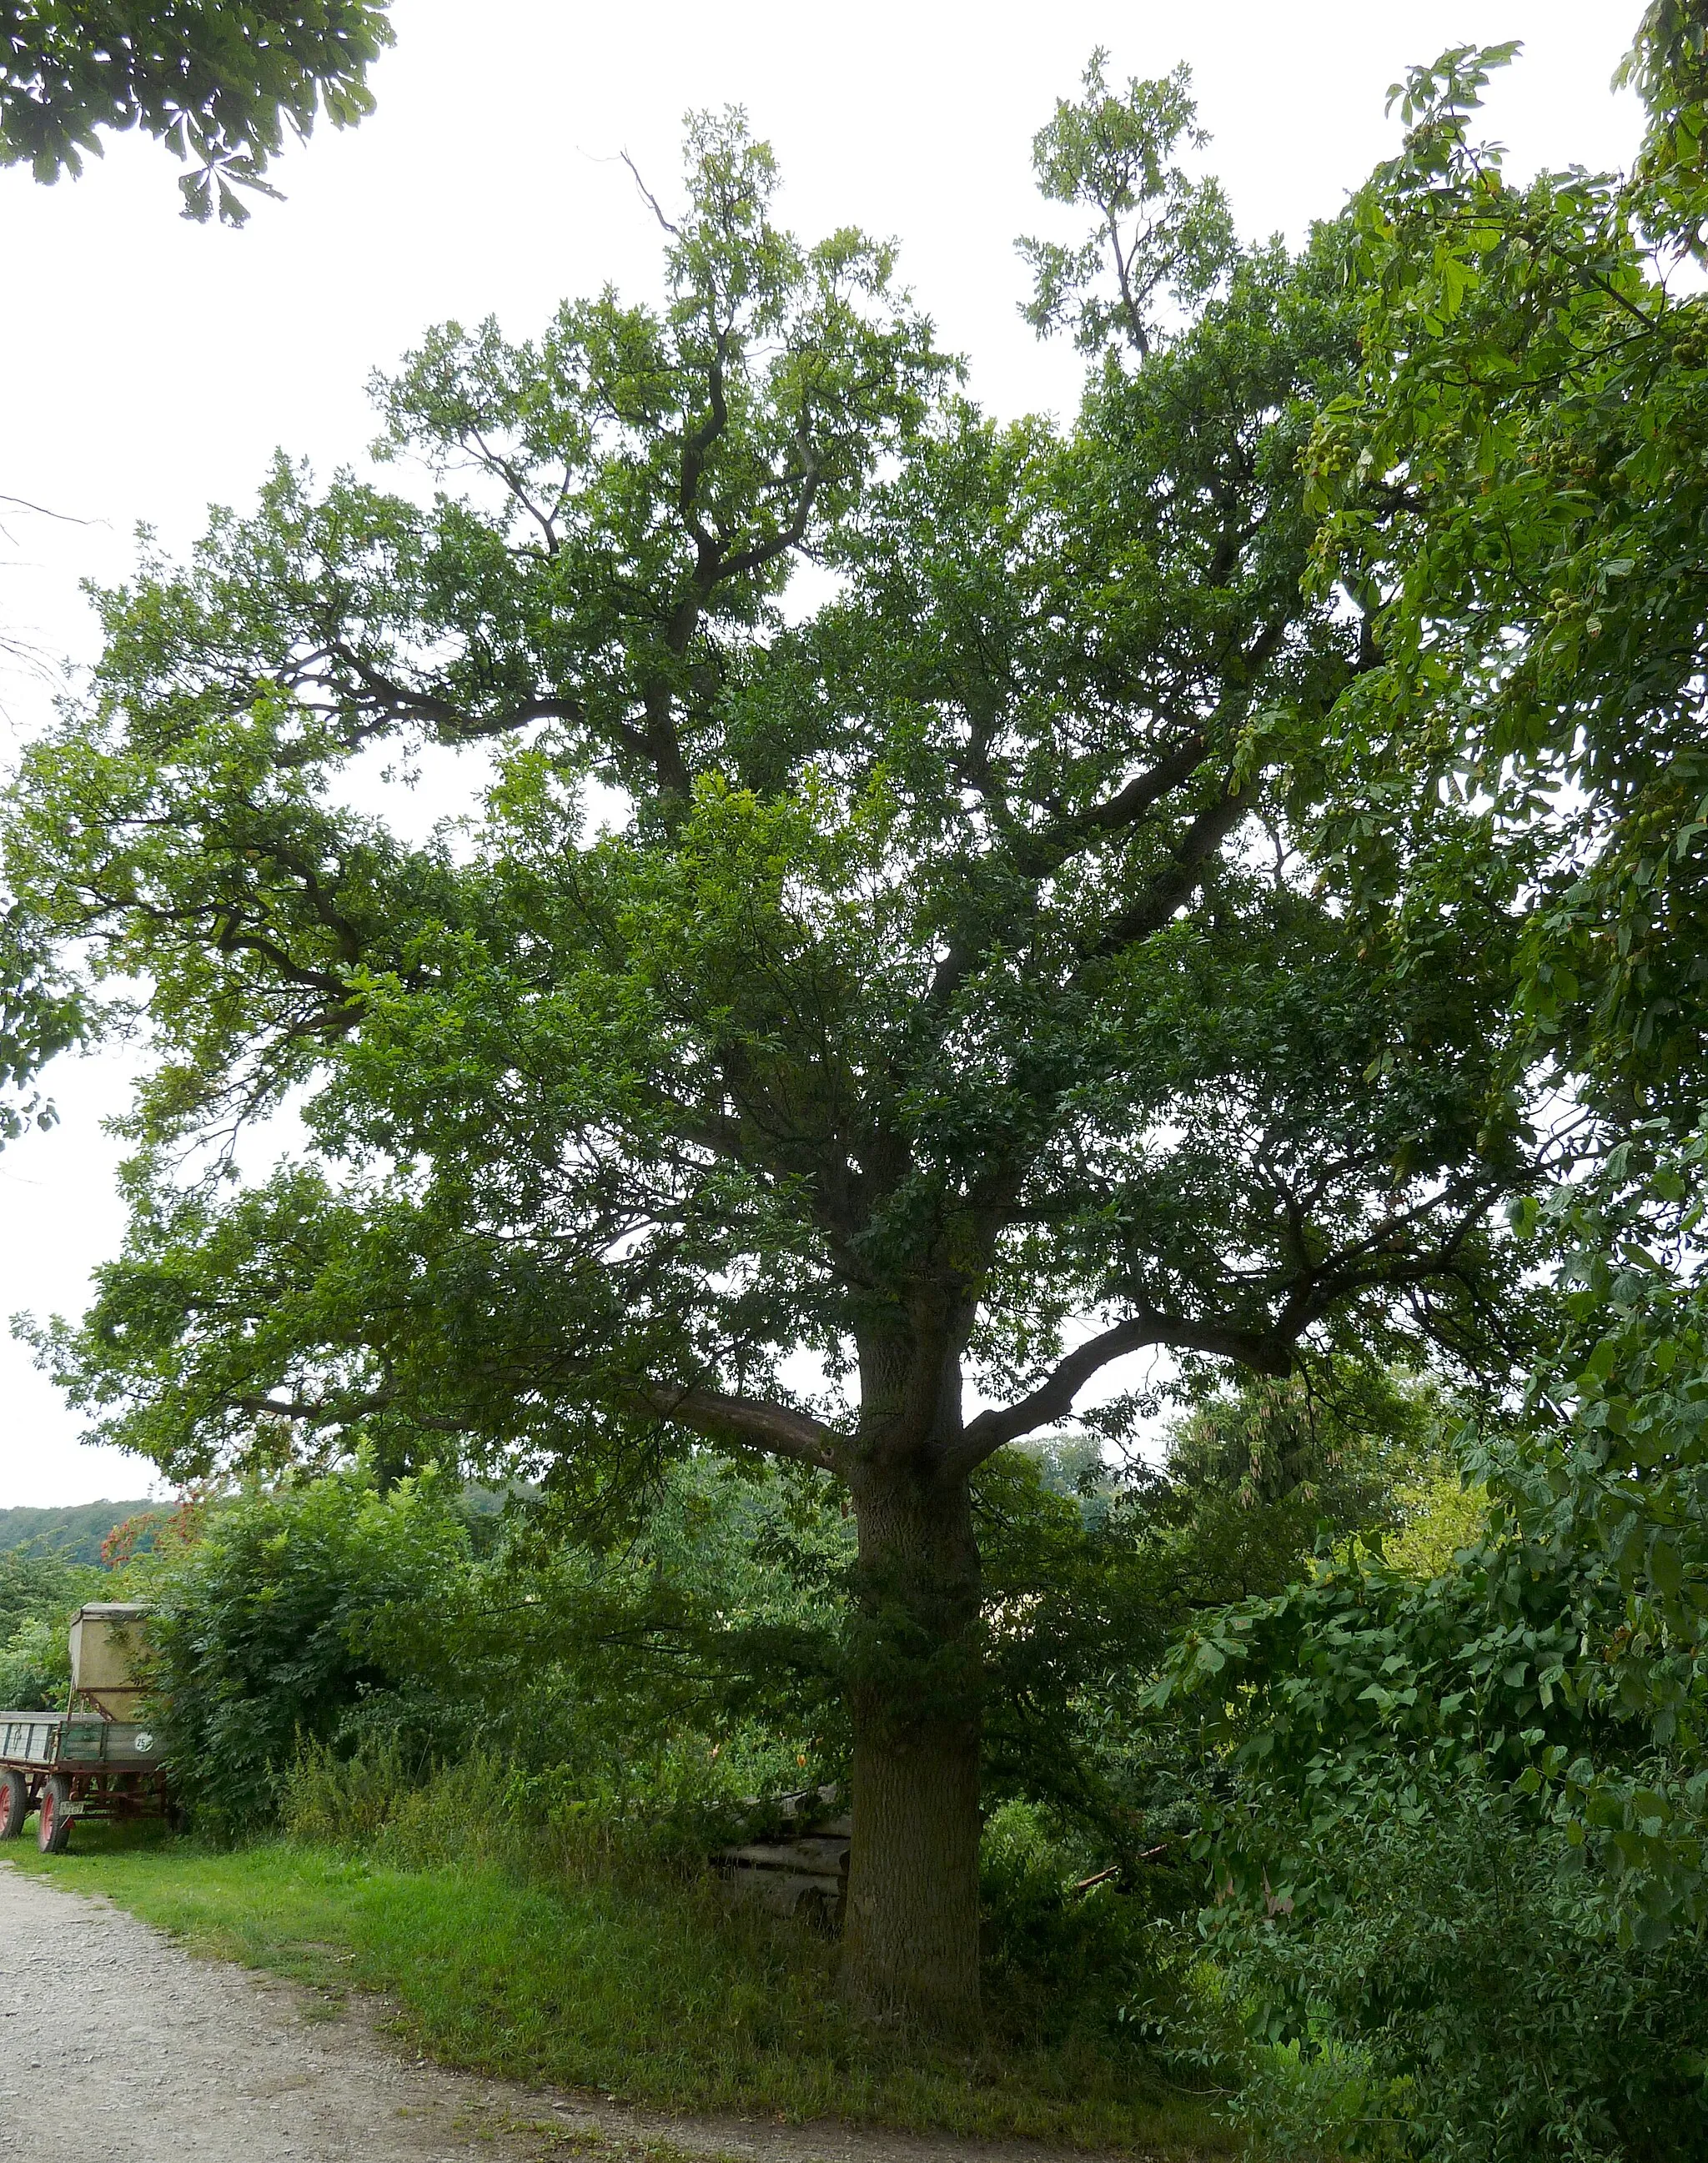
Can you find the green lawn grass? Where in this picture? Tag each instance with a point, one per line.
(650, 1994)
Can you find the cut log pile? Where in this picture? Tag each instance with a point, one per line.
(803, 1871)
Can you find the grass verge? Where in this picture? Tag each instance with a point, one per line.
(650, 1995)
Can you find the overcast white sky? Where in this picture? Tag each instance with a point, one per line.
(149, 366)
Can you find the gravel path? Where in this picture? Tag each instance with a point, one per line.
(117, 2047)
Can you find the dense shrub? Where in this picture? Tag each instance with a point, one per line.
(1074, 1953)
(1449, 1943)
(577, 1702)
(1454, 1987)
(274, 1628)
(676, 1650)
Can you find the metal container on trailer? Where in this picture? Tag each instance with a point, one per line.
(108, 1639)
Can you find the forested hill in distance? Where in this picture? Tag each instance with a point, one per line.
(75, 1532)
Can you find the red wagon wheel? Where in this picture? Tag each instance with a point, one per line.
(14, 1803)
(53, 1825)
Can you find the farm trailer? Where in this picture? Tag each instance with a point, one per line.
(89, 1761)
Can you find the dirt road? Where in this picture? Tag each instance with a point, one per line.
(116, 2046)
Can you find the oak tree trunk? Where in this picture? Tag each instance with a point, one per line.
(911, 1935)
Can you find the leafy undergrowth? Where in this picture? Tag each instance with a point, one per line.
(648, 1994)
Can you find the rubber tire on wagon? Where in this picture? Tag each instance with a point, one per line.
(14, 1803)
(53, 1827)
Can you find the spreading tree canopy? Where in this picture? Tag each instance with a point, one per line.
(851, 1016)
(219, 81)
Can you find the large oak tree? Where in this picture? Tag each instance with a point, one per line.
(848, 1023)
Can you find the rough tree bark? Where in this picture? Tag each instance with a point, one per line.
(915, 1690)
(912, 1934)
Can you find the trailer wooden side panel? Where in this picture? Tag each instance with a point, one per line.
(44, 1741)
(29, 1738)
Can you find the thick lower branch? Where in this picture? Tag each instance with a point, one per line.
(762, 1425)
(1053, 1398)
(318, 1412)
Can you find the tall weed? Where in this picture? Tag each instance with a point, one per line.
(485, 1810)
